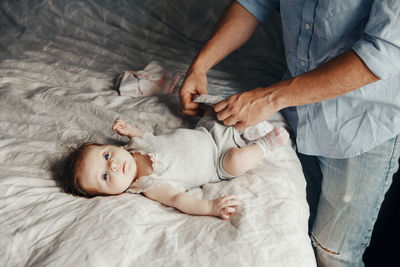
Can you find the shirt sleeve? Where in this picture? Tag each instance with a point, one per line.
(379, 47)
(261, 9)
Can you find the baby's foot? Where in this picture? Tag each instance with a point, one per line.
(278, 137)
(257, 131)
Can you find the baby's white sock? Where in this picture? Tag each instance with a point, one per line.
(278, 137)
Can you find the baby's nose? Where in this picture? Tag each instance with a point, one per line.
(113, 165)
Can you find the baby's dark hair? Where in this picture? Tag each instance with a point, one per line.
(69, 177)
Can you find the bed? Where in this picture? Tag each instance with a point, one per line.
(58, 64)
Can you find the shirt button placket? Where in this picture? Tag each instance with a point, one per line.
(307, 20)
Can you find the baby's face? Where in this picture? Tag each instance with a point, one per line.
(106, 170)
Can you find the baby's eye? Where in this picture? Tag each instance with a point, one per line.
(106, 156)
(105, 176)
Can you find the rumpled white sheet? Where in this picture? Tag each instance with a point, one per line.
(57, 65)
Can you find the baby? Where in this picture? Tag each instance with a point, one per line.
(163, 167)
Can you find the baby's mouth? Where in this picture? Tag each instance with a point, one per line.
(123, 167)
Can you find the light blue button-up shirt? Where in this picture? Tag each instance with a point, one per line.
(315, 31)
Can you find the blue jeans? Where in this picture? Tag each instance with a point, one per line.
(345, 196)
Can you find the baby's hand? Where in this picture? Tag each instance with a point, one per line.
(225, 207)
(125, 129)
(121, 127)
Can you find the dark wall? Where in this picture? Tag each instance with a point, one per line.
(385, 242)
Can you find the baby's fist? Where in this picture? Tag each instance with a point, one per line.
(225, 207)
(121, 127)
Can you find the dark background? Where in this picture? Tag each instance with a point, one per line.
(384, 249)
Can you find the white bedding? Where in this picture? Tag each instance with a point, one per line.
(58, 62)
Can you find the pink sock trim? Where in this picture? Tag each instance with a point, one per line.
(278, 137)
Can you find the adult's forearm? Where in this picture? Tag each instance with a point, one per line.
(339, 76)
(233, 29)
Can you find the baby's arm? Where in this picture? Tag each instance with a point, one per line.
(125, 129)
(224, 207)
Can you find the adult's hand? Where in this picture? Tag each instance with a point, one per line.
(195, 83)
(246, 109)
(343, 74)
(233, 29)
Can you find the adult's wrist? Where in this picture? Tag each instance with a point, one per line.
(276, 96)
(198, 66)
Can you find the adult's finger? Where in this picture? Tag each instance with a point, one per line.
(224, 114)
(185, 97)
(241, 125)
(231, 120)
(220, 106)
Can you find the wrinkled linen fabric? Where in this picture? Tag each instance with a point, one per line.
(58, 64)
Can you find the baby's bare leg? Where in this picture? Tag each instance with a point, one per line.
(237, 161)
